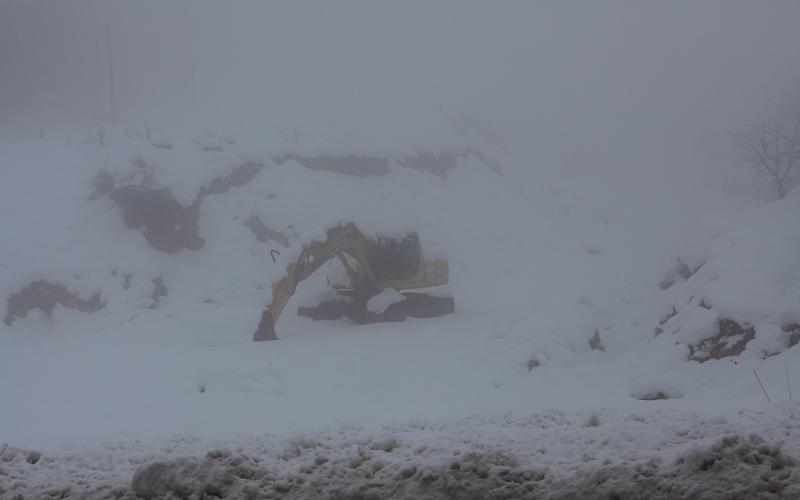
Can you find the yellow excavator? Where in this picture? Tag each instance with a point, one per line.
(372, 265)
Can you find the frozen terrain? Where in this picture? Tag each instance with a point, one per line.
(581, 360)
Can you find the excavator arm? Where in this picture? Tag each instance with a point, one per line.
(340, 240)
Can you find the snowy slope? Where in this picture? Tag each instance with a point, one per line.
(556, 288)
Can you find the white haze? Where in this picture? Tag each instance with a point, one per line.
(603, 82)
(602, 128)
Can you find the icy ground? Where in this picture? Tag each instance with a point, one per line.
(565, 370)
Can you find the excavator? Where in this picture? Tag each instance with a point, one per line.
(372, 264)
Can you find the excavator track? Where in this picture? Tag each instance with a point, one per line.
(415, 305)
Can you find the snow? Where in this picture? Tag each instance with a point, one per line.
(537, 269)
(381, 302)
(653, 453)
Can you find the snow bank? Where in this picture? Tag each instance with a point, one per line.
(654, 454)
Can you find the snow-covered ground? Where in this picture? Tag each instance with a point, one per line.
(565, 370)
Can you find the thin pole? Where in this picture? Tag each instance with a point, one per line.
(788, 384)
(111, 96)
(762, 386)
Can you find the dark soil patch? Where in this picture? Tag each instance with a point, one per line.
(362, 166)
(438, 164)
(103, 184)
(359, 166)
(263, 233)
(166, 224)
(44, 295)
(240, 176)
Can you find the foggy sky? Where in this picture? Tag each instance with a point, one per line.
(647, 77)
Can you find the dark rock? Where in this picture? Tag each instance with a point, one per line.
(103, 184)
(653, 396)
(44, 296)
(595, 342)
(660, 328)
(33, 457)
(159, 290)
(533, 363)
(723, 345)
(792, 334)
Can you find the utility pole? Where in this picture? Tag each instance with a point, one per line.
(111, 96)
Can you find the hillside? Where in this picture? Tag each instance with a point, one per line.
(134, 269)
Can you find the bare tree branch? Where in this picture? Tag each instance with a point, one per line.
(772, 149)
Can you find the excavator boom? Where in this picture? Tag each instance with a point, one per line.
(314, 255)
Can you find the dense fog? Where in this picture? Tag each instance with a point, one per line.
(417, 249)
(594, 80)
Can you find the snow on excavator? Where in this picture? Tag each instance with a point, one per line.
(372, 265)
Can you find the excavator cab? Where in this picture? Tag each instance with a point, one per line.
(397, 258)
(373, 264)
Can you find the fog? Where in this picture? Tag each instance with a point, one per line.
(597, 79)
(557, 275)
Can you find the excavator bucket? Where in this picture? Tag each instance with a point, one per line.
(266, 327)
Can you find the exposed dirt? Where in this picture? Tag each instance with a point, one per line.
(166, 224)
(240, 176)
(44, 295)
(265, 234)
(103, 184)
(362, 166)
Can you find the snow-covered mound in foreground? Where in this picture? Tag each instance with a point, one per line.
(605, 454)
(740, 291)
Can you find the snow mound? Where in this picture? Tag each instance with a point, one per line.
(662, 455)
(738, 291)
(380, 302)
